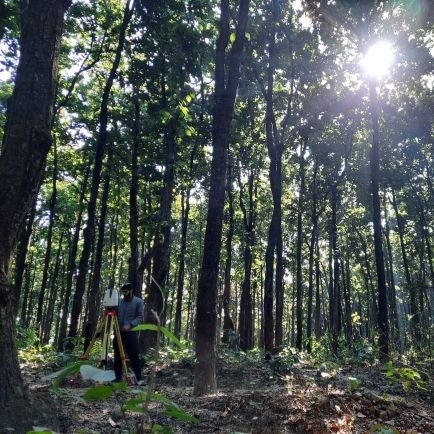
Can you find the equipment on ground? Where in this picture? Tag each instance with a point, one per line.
(109, 324)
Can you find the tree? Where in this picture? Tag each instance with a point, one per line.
(27, 141)
(224, 100)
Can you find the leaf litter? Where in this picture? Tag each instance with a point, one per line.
(252, 399)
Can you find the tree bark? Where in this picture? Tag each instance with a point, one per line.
(133, 264)
(228, 324)
(47, 259)
(246, 311)
(299, 281)
(314, 223)
(94, 293)
(27, 141)
(71, 267)
(376, 218)
(206, 317)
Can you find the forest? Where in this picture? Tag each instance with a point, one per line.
(260, 171)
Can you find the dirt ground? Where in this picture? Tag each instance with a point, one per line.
(256, 399)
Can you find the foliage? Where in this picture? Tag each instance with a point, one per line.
(407, 377)
(379, 428)
(353, 383)
(282, 362)
(166, 332)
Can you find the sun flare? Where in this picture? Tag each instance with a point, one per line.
(377, 60)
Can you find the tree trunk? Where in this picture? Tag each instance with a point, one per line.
(20, 262)
(246, 313)
(228, 324)
(48, 317)
(71, 267)
(376, 218)
(47, 259)
(318, 330)
(94, 293)
(334, 298)
(299, 277)
(314, 222)
(408, 280)
(206, 316)
(160, 251)
(392, 301)
(185, 210)
(89, 232)
(27, 141)
(134, 241)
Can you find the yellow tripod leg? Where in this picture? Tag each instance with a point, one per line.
(120, 347)
(99, 327)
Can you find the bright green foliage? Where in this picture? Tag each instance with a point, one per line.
(98, 393)
(407, 377)
(137, 404)
(353, 383)
(166, 332)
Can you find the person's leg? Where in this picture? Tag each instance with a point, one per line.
(132, 347)
(118, 360)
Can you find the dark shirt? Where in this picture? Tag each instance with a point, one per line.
(131, 312)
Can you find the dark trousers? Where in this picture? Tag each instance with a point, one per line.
(130, 341)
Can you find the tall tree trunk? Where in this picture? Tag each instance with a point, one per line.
(246, 313)
(94, 293)
(133, 264)
(376, 218)
(225, 93)
(314, 223)
(47, 259)
(318, 330)
(71, 267)
(185, 211)
(299, 280)
(160, 250)
(228, 324)
(89, 232)
(26, 296)
(20, 261)
(393, 300)
(46, 324)
(409, 284)
(334, 298)
(26, 142)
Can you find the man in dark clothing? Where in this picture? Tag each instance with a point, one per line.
(130, 314)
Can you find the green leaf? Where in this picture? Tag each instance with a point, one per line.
(98, 393)
(163, 429)
(232, 38)
(169, 335)
(248, 36)
(135, 405)
(143, 327)
(174, 411)
(73, 368)
(40, 430)
(119, 386)
(152, 327)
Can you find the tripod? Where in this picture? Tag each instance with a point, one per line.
(107, 324)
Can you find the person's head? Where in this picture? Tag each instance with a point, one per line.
(127, 290)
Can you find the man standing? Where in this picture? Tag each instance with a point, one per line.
(130, 314)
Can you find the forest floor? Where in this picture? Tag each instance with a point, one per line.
(257, 398)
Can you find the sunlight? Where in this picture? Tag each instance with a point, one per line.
(378, 59)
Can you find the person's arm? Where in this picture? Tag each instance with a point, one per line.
(140, 312)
